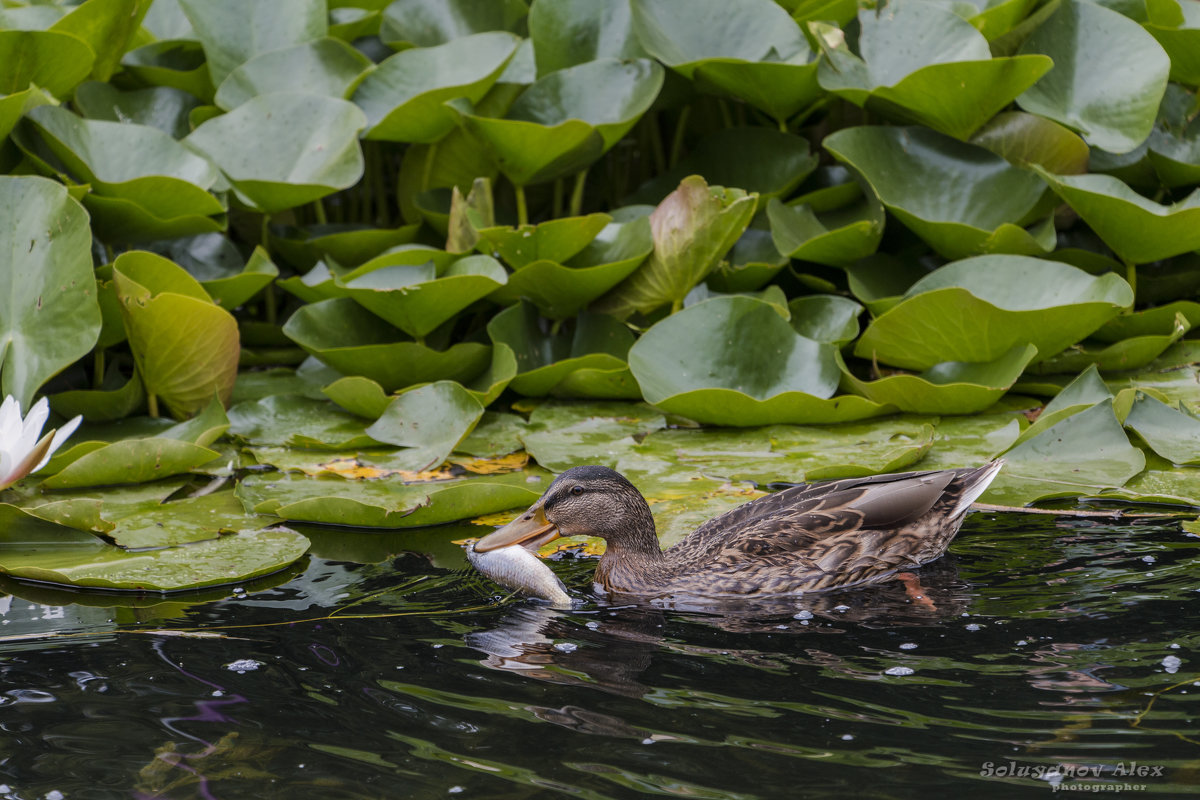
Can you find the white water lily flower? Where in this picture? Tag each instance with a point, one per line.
(21, 451)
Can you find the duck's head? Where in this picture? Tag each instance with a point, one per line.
(583, 501)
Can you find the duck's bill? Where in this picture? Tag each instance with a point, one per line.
(528, 530)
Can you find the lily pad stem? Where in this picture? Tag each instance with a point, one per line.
(558, 198)
(1131, 276)
(522, 210)
(677, 305)
(319, 212)
(677, 140)
(427, 173)
(782, 125)
(98, 369)
(382, 218)
(152, 404)
(269, 292)
(577, 192)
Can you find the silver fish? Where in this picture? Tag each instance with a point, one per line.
(519, 569)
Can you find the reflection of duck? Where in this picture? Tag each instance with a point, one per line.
(809, 537)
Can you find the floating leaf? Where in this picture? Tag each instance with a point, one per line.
(186, 348)
(285, 150)
(297, 421)
(403, 95)
(51, 317)
(346, 243)
(107, 27)
(1176, 26)
(561, 435)
(340, 334)
(566, 33)
(952, 387)
(429, 421)
(428, 23)
(178, 64)
(131, 461)
(923, 63)
(838, 237)
(826, 318)
(961, 199)
(321, 66)
(159, 107)
(735, 361)
(1171, 433)
(692, 229)
(1127, 354)
(233, 31)
(1025, 139)
(56, 62)
(980, 308)
(388, 503)
(1108, 78)
(554, 240)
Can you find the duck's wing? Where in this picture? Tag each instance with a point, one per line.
(796, 519)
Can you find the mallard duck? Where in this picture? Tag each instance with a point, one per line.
(806, 538)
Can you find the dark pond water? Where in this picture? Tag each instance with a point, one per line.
(1064, 650)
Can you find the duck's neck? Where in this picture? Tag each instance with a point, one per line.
(633, 560)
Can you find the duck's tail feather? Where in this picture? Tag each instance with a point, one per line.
(974, 486)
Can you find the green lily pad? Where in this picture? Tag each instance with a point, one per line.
(922, 63)
(116, 398)
(838, 237)
(561, 435)
(1136, 228)
(297, 421)
(544, 360)
(1078, 456)
(217, 265)
(56, 62)
(753, 51)
(566, 33)
(348, 244)
(131, 461)
(497, 434)
(1160, 320)
(992, 18)
(561, 290)
(417, 299)
(1109, 77)
(285, 150)
(952, 387)
(1172, 433)
(566, 120)
(322, 66)
(692, 228)
(1024, 139)
(358, 395)
(1127, 354)
(341, 335)
(979, 308)
(734, 361)
(961, 199)
(428, 23)
(177, 63)
(15, 106)
(52, 317)
(1175, 26)
(555, 240)
(403, 96)
(107, 27)
(768, 162)
(1174, 145)
(186, 348)
(429, 422)
(752, 263)
(388, 503)
(826, 318)
(159, 107)
(234, 32)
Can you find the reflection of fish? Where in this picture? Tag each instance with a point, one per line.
(522, 571)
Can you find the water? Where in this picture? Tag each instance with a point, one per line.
(1042, 646)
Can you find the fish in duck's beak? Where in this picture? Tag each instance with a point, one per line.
(530, 530)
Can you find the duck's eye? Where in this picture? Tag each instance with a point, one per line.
(576, 490)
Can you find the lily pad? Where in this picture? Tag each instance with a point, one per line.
(752, 263)
(952, 387)
(348, 244)
(1175, 25)
(1108, 79)
(131, 461)
(561, 435)
(980, 308)
(429, 422)
(837, 238)
(177, 63)
(1160, 320)
(1025, 139)
(554, 240)
(159, 107)
(186, 348)
(284, 150)
(961, 199)
(417, 299)
(54, 61)
(233, 32)
(753, 50)
(428, 23)
(826, 318)
(1127, 354)
(388, 503)
(1136, 228)
(920, 62)
(566, 120)
(297, 421)
(403, 95)
(734, 361)
(341, 335)
(1172, 433)
(692, 229)
(566, 33)
(546, 359)
(52, 317)
(321, 66)
(107, 27)
(217, 265)
(34, 549)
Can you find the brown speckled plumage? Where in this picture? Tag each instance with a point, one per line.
(806, 538)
